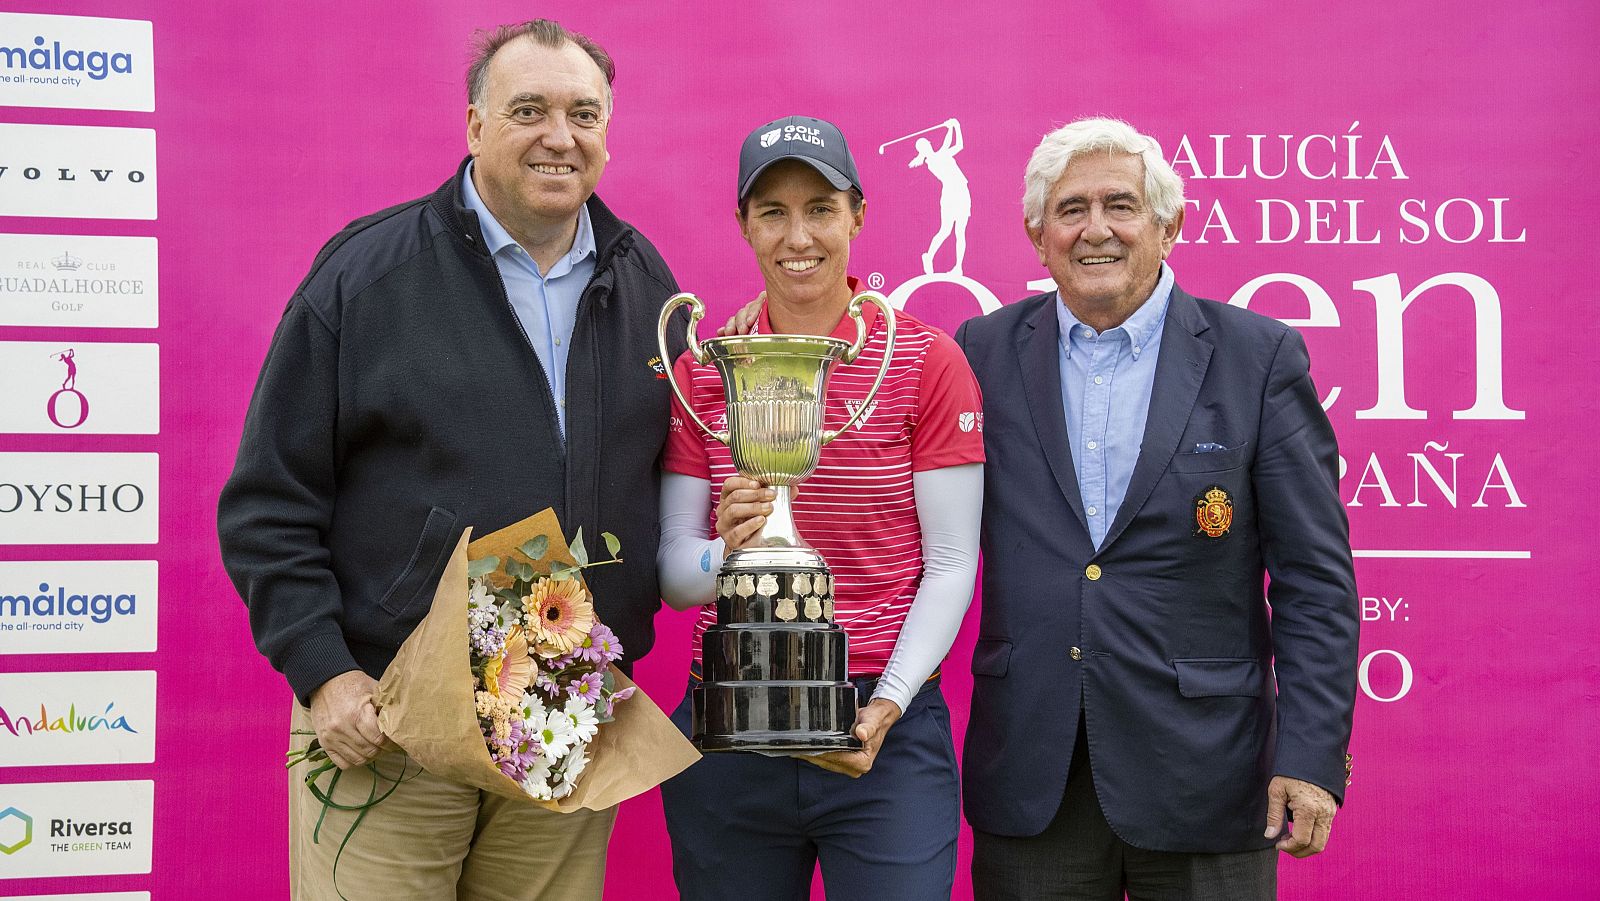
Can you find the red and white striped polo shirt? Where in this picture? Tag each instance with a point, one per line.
(858, 509)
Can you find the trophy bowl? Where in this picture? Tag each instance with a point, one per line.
(775, 667)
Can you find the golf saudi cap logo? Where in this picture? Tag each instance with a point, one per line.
(16, 830)
(771, 137)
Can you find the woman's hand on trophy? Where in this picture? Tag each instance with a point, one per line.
(742, 511)
(872, 724)
(744, 321)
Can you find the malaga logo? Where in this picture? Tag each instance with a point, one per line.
(97, 64)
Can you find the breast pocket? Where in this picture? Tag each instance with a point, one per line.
(1211, 461)
(425, 560)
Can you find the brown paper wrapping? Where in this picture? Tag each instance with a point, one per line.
(426, 705)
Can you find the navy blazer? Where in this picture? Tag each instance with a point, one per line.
(1163, 639)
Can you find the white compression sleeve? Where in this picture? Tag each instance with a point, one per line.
(949, 508)
(687, 561)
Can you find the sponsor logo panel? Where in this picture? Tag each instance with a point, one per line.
(95, 281)
(78, 498)
(75, 828)
(77, 171)
(88, 896)
(78, 607)
(54, 719)
(79, 387)
(76, 62)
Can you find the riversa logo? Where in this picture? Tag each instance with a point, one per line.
(107, 721)
(97, 64)
(99, 608)
(70, 828)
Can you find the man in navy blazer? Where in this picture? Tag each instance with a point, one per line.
(1143, 711)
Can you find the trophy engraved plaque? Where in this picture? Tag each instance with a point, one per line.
(776, 665)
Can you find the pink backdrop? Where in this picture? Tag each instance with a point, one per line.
(278, 123)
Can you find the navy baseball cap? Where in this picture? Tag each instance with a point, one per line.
(814, 142)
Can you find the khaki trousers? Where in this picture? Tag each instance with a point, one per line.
(434, 840)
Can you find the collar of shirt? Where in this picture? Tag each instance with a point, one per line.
(500, 241)
(1140, 327)
(845, 330)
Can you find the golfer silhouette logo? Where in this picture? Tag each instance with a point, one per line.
(69, 387)
(955, 199)
(955, 210)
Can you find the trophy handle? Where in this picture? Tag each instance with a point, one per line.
(697, 311)
(860, 344)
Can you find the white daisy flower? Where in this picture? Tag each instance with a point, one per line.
(584, 722)
(556, 736)
(537, 781)
(572, 767)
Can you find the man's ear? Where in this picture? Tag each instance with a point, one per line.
(860, 220)
(474, 129)
(1036, 237)
(1170, 233)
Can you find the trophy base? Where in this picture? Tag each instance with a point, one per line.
(775, 716)
(776, 664)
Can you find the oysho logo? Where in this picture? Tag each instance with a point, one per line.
(771, 137)
(52, 57)
(96, 608)
(102, 498)
(79, 498)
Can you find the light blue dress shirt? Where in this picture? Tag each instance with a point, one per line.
(545, 304)
(1106, 380)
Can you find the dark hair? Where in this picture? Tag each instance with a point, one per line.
(545, 32)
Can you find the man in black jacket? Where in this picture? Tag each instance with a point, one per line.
(465, 359)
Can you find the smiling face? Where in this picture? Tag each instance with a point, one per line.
(1100, 240)
(800, 228)
(539, 138)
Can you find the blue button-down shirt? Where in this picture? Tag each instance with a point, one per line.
(545, 304)
(1106, 380)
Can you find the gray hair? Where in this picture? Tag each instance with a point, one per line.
(1163, 187)
(544, 32)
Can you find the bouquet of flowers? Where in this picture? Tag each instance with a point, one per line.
(541, 664)
(509, 685)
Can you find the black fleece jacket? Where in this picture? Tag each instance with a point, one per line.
(400, 402)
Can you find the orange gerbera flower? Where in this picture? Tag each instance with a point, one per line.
(516, 667)
(558, 615)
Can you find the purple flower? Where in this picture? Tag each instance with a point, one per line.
(601, 647)
(545, 683)
(612, 699)
(588, 687)
(517, 752)
(488, 643)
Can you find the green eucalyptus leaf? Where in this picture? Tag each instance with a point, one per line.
(482, 567)
(560, 571)
(579, 553)
(613, 544)
(536, 547)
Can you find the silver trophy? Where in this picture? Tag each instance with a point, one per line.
(776, 665)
